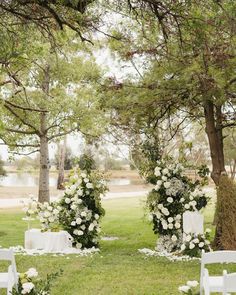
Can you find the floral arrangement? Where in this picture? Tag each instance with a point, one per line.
(189, 288)
(48, 215)
(173, 194)
(81, 207)
(30, 208)
(194, 244)
(30, 284)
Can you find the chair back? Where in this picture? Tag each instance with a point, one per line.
(229, 283)
(8, 255)
(215, 257)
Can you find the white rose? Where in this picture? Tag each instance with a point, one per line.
(191, 246)
(67, 200)
(159, 206)
(164, 178)
(178, 216)
(191, 198)
(89, 185)
(188, 238)
(32, 273)
(47, 214)
(73, 223)
(51, 219)
(181, 200)
(174, 238)
(159, 182)
(78, 245)
(95, 222)
(80, 233)
(27, 287)
(80, 192)
(170, 226)
(86, 180)
(194, 203)
(186, 206)
(78, 220)
(170, 219)
(83, 175)
(169, 199)
(196, 241)
(49, 208)
(91, 227)
(73, 207)
(165, 171)
(158, 215)
(184, 289)
(192, 284)
(177, 225)
(75, 232)
(83, 227)
(183, 247)
(79, 201)
(55, 211)
(167, 184)
(157, 172)
(157, 187)
(96, 216)
(164, 225)
(201, 245)
(73, 187)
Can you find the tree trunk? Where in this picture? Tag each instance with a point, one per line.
(213, 119)
(44, 163)
(61, 164)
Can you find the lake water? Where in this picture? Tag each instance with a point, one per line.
(29, 179)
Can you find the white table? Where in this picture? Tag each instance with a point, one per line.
(50, 242)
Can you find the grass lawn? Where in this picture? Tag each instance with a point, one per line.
(118, 268)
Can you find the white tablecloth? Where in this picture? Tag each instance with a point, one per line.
(51, 242)
(193, 222)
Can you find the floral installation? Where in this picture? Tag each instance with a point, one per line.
(81, 207)
(173, 194)
(189, 288)
(30, 208)
(30, 284)
(193, 244)
(48, 215)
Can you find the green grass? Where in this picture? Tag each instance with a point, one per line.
(118, 268)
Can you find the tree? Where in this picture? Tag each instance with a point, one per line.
(49, 98)
(189, 49)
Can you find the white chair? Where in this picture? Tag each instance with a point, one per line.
(10, 278)
(209, 283)
(229, 282)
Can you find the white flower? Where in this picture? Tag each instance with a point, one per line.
(89, 185)
(177, 225)
(191, 246)
(83, 227)
(183, 247)
(49, 208)
(181, 200)
(55, 211)
(167, 184)
(164, 178)
(178, 216)
(170, 226)
(165, 171)
(83, 214)
(192, 284)
(184, 289)
(78, 245)
(27, 287)
(80, 232)
(95, 222)
(188, 238)
(157, 187)
(186, 206)
(86, 180)
(73, 223)
(159, 182)
(194, 203)
(51, 219)
(78, 220)
(165, 211)
(157, 171)
(191, 197)
(73, 207)
(196, 241)
(67, 200)
(164, 225)
(47, 214)
(79, 201)
(158, 215)
(96, 216)
(32, 273)
(170, 219)
(174, 238)
(73, 187)
(83, 175)
(201, 245)
(80, 192)
(169, 199)
(91, 227)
